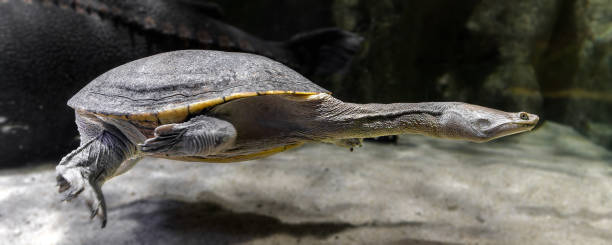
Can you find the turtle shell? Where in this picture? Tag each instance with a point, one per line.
(169, 87)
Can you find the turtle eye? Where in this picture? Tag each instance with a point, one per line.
(524, 116)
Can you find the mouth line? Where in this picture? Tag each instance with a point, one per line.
(525, 124)
(517, 127)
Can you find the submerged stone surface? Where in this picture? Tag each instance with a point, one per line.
(551, 186)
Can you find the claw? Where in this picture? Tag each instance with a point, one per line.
(62, 184)
(165, 139)
(98, 204)
(73, 180)
(70, 184)
(168, 129)
(94, 211)
(157, 144)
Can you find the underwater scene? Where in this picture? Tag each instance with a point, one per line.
(305, 122)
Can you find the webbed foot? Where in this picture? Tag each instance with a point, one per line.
(167, 138)
(71, 177)
(86, 168)
(201, 135)
(72, 183)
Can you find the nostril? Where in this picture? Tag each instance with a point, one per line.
(524, 116)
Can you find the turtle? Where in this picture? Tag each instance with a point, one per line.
(215, 106)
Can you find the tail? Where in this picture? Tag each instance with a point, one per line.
(324, 51)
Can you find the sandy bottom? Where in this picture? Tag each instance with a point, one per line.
(550, 186)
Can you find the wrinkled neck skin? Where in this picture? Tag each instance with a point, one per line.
(452, 120)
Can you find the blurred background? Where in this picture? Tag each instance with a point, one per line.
(548, 57)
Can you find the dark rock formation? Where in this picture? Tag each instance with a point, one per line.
(409, 45)
(575, 70)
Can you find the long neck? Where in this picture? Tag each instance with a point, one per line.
(348, 120)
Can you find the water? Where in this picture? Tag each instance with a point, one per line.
(548, 186)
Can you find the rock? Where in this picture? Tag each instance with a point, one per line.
(576, 68)
(407, 47)
(277, 19)
(521, 30)
(54, 51)
(550, 186)
(554, 60)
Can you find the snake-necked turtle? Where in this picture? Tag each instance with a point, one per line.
(213, 106)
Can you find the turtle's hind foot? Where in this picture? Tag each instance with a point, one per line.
(97, 204)
(70, 183)
(86, 168)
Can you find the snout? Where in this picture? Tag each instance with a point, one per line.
(515, 123)
(526, 120)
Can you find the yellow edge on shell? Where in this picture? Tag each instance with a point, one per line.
(148, 117)
(253, 156)
(173, 115)
(123, 117)
(179, 114)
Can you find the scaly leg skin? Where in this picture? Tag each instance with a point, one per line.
(200, 136)
(126, 166)
(94, 162)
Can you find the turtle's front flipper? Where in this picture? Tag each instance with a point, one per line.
(200, 136)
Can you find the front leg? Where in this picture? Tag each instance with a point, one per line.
(200, 136)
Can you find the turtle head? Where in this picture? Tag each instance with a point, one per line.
(481, 124)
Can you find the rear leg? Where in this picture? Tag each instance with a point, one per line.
(103, 150)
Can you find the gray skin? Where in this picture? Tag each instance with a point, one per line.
(111, 145)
